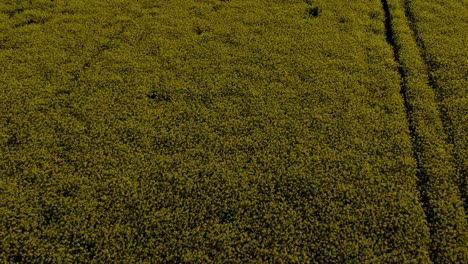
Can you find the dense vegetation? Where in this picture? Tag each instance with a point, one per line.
(437, 169)
(208, 131)
(441, 31)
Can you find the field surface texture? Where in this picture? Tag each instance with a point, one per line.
(234, 131)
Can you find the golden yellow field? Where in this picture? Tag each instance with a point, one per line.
(233, 131)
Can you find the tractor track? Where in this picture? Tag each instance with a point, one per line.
(436, 167)
(422, 175)
(434, 84)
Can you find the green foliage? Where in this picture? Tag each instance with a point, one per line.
(210, 131)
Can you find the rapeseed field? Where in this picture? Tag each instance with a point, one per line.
(233, 131)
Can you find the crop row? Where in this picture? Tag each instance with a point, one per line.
(438, 174)
(441, 31)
